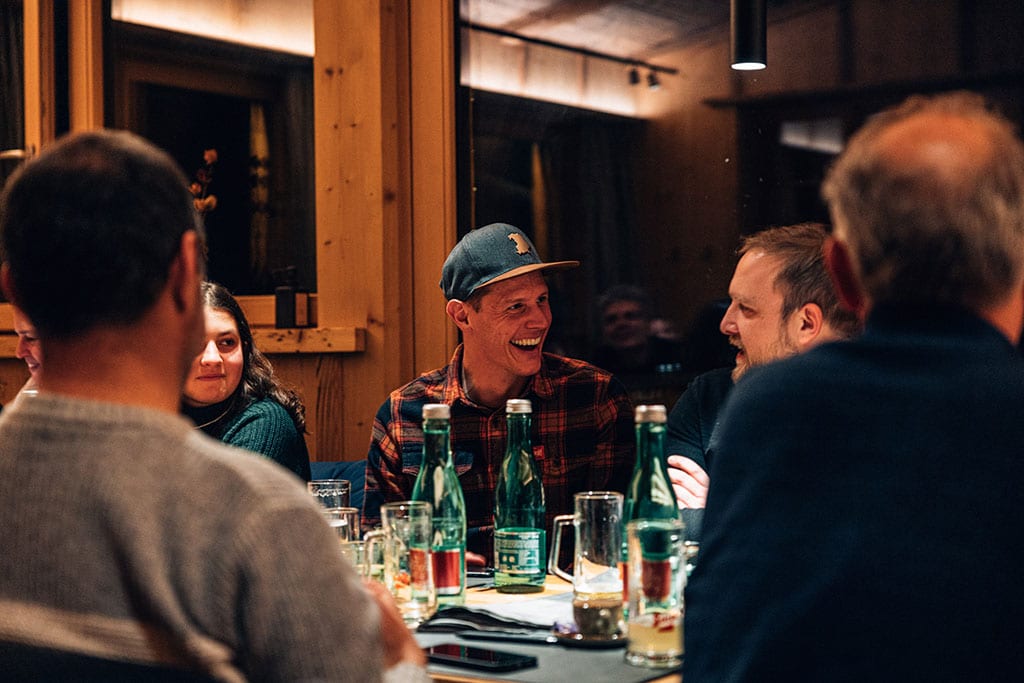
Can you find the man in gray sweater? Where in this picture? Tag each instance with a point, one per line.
(133, 546)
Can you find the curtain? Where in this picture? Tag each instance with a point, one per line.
(589, 179)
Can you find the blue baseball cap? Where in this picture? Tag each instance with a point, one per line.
(490, 254)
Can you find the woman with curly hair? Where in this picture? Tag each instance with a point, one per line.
(232, 394)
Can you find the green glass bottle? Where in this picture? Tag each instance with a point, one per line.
(520, 548)
(650, 494)
(438, 485)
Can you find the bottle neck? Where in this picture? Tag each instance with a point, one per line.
(436, 443)
(518, 434)
(650, 446)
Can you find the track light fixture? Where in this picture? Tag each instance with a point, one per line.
(748, 31)
(652, 81)
(633, 64)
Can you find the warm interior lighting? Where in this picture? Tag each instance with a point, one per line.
(540, 69)
(267, 24)
(748, 33)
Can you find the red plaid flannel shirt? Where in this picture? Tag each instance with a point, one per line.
(582, 428)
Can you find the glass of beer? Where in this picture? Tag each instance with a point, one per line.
(657, 576)
(596, 580)
(408, 568)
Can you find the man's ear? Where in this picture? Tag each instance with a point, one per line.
(844, 279)
(458, 312)
(184, 275)
(808, 323)
(7, 284)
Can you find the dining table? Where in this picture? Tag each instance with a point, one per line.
(555, 661)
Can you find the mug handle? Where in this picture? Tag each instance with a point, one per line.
(561, 521)
(369, 541)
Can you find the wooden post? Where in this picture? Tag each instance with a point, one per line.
(85, 64)
(40, 122)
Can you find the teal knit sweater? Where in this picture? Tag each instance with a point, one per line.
(263, 427)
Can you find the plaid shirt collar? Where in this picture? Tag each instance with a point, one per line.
(540, 385)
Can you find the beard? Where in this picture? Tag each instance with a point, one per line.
(781, 347)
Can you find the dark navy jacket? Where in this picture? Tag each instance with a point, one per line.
(866, 513)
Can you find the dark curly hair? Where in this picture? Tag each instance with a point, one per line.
(258, 378)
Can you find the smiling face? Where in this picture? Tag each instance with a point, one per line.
(29, 348)
(753, 321)
(216, 372)
(625, 324)
(503, 341)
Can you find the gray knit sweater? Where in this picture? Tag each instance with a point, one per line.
(125, 533)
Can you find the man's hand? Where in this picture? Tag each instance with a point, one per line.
(689, 481)
(475, 560)
(397, 642)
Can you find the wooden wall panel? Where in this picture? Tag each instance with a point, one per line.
(803, 54)
(912, 39)
(687, 178)
(13, 374)
(319, 380)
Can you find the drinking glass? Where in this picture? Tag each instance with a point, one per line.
(657, 576)
(596, 578)
(344, 521)
(408, 569)
(332, 493)
(355, 552)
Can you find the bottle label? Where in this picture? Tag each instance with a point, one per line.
(518, 552)
(657, 579)
(418, 574)
(446, 571)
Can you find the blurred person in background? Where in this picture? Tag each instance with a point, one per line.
(628, 344)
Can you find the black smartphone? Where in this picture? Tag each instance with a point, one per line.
(454, 654)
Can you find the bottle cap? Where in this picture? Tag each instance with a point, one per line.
(518, 405)
(437, 411)
(655, 413)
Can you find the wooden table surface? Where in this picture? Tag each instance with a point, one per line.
(484, 598)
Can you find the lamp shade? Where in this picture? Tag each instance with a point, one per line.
(748, 31)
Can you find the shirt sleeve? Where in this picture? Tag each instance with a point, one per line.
(303, 612)
(616, 447)
(683, 433)
(267, 429)
(383, 465)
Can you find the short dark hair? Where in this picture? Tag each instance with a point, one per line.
(617, 293)
(803, 278)
(258, 378)
(89, 229)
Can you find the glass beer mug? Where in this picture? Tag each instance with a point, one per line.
(596, 579)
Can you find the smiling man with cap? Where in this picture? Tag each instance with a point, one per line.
(583, 431)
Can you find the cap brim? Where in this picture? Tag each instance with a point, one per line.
(523, 270)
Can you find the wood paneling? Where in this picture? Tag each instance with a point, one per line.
(40, 104)
(372, 140)
(85, 68)
(384, 132)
